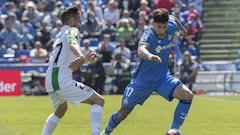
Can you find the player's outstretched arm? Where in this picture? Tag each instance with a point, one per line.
(143, 53)
(180, 27)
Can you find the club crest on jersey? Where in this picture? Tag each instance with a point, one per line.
(145, 37)
(170, 37)
(159, 41)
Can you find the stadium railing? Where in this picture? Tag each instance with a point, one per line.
(208, 81)
(218, 81)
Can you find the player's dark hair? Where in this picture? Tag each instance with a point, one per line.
(69, 12)
(160, 15)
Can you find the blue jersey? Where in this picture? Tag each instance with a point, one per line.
(148, 71)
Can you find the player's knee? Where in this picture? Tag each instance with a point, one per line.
(183, 93)
(189, 95)
(101, 101)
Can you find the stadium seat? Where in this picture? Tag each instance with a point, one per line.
(94, 41)
(23, 52)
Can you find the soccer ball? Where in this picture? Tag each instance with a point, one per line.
(173, 132)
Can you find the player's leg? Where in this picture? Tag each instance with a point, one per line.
(115, 120)
(185, 96)
(78, 92)
(127, 105)
(171, 88)
(133, 94)
(97, 102)
(53, 119)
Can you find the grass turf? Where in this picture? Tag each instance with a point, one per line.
(209, 115)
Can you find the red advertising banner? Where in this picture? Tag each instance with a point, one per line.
(10, 83)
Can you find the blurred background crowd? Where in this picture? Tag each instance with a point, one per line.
(111, 28)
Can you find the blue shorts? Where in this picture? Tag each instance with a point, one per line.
(136, 93)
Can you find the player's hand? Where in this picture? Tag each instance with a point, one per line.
(183, 33)
(91, 57)
(155, 58)
(76, 64)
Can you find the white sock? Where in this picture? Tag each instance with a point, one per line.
(96, 118)
(50, 124)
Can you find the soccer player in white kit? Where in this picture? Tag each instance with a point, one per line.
(65, 58)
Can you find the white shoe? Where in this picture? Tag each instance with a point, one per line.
(174, 132)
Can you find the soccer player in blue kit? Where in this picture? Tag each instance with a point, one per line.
(152, 75)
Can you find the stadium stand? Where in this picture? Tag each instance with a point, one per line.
(212, 27)
(220, 36)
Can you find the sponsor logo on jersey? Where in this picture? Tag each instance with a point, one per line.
(159, 48)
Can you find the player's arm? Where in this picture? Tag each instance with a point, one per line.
(75, 48)
(143, 53)
(81, 59)
(180, 27)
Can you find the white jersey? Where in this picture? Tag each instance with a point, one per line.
(58, 73)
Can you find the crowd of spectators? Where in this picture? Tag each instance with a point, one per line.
(112, 28)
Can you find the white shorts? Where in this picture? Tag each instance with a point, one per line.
(75, 94)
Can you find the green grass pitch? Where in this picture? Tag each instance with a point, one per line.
(209, 115)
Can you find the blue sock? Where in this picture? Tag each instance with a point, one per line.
(180, 113)
(112, 123)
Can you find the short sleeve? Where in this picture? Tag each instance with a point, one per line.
(173, 23)
(73, 34)
(145, 38)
